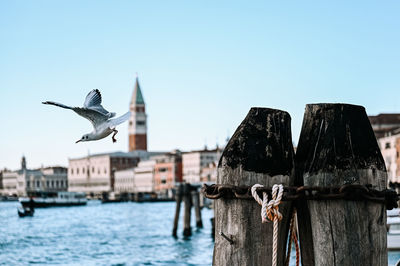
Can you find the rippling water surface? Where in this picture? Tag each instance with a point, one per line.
(101, 234)
(105, 234)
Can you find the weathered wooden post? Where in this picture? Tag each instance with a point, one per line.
(212, 221)
(178, 198)
(337, 147)
(187, 230)
(197, 211)
(260, 151)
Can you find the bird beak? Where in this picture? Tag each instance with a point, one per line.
(78, 141)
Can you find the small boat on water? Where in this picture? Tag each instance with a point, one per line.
(54, 199)
(23, 212)
(110, 198)
(393, 224)
(8, 198)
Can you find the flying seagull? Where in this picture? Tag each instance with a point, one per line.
(101, 118)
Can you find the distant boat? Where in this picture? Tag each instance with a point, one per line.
(393, 235)
(25, 212)
(110, 198)
(54, 199)
(8, 198)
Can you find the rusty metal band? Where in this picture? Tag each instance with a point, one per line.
(346, 192)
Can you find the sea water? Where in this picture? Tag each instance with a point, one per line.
(105, 234)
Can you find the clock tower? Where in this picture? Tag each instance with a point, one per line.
(138, 121)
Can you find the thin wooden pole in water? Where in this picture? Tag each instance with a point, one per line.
(196, 203)
(260, 152)
(187, 230)
(337, 146)
(178, 198)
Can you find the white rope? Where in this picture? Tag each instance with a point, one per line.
(270, 211)
(263, 202)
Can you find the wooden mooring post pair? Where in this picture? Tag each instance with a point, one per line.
(337, 147)
(190, 195)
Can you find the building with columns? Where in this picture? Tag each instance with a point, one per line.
(138, 120)
(25, 182)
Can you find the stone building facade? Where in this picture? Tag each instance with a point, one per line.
(382, 124)
(94, 174)
(9, 183)
(124, 181)
(209, 173)
(196, 161)
(49, 179)
(25, 182)
(144, 177)
(390, 149)
(167, 173)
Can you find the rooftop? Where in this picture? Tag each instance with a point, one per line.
(388, 118)
(118, 154)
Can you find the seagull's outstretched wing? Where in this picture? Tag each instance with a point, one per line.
(93, 101)
(57, 104)
(119, 120)
(92, 115)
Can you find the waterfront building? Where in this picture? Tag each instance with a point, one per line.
(49, 179)
(9, 183)
(390, 149)
(382, 124)
(137, 121)
(194, 163)
(124, 181)
(144, 177)
(25, 181)
(94, 174)
(167, 173)
(209, 173)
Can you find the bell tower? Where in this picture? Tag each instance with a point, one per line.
(23, 163)
(138, 120)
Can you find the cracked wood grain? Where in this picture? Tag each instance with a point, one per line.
(260, 151)
(337, 146)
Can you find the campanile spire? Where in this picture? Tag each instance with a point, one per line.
(138, 120)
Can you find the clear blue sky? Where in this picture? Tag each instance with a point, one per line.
(201, 64)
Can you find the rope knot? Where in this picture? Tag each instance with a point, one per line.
(270, 212)
(269, 209)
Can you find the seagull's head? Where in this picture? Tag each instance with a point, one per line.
(86, 137)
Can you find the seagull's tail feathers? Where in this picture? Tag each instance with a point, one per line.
(57, 104)
(119, 120)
